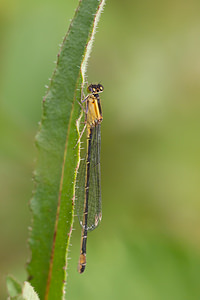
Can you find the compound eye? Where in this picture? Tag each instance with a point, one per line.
(101, 87)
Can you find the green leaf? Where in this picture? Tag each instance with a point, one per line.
(53, 201)
(28, 292)
(13, 286)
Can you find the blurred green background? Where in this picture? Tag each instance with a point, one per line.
(147, 56)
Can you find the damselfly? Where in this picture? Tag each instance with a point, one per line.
(88, 184)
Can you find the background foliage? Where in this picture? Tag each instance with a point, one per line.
(146, 54)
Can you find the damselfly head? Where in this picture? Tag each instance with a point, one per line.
(95, 88)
